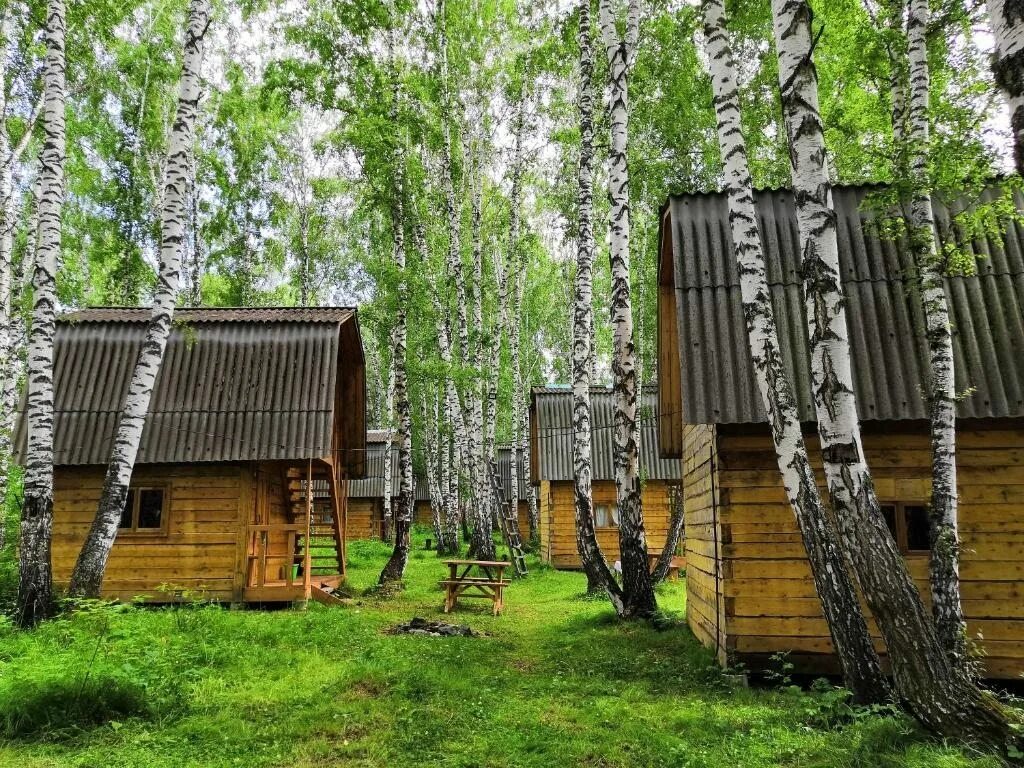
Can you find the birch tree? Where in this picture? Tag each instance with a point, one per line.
(933, 690)
(87, 577)
(599, 575)
(945, 539)
(636, 576)
(1007, 20)
(835, 587)
(35, 586)
(434, 465)
(10, 157)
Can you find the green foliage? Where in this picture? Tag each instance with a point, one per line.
(559, 681)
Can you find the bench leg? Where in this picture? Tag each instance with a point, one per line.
(448, 600)
(497, 601)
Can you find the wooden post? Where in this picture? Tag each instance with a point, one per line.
(307, 559)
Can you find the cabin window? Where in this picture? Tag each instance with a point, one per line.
(908, 524)
(144, 511)
(605, 516)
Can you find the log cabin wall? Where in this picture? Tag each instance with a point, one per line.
(558, 520)
(770, 604)
(364, 519)
(197, 548)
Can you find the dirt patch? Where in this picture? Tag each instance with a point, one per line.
(427, 628)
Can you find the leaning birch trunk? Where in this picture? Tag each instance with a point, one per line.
(835, 588)
(636, 575)
(394, 569)
(935, 692)
(35, 586)
(945, 537)
(517, 267)
(1007, 20)
(599, 575)
(87, 578)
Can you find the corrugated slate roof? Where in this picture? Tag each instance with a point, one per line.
(235, 385)
(883, 309)
(505, 472)
(551, 409)
(371, 486)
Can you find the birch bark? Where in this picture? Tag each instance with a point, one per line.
(1007, 20)
(599, 575)
(636, 576)
(434, 468)
(935, 692)
(35, 587)
(388, 424)
(87, 577)
(517, 266)
(945, 537)
(835, 587)
(394, 569)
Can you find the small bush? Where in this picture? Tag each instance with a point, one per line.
(60, 707)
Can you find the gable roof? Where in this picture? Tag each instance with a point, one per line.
(551, 433)
(235, 385)
(883, 310)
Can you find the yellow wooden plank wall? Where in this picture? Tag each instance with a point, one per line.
(363, 519)
(770, 600)
(704, 603)
(558, 521)
(199, 551)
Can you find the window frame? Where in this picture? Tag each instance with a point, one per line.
(902, 533)
(612, 511)
(165, 508)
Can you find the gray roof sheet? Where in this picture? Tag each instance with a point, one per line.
(505, 472)
(551, 407)
(371, 486)
(234, 385)
(883, 309)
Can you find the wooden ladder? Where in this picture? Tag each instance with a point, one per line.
(508, 522)
(326, 557)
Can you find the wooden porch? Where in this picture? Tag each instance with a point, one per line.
(295, 538)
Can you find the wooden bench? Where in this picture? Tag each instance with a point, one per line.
(490, 585)
(678, 565)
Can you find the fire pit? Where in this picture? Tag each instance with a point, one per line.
(421, 626)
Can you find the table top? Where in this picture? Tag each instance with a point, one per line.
(486, 563)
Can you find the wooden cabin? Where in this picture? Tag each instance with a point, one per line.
(257, 424)
(749, 589)
(366, 495)
(551, 472)
(504, 454)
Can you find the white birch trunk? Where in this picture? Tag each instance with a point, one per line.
(388, 424)
(932, 689)
(636, 576)
(945, 538)
(434, 468)
(1007, 20)
(35, 588)
(836, 589)
(599, 575)
(394, 569)
(87, 578)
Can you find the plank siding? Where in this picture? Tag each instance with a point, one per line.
(364, 519)
(198, 552)
(558, 520)
(769, 599)
(705, 603)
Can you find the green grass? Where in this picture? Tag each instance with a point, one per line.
(559, 682)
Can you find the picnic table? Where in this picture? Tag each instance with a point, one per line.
(477, 579)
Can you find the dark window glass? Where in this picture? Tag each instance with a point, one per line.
(917, 528)
(151, 506)
(889, 512)
(126, 511)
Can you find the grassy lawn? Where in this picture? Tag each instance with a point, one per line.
(559, 682)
